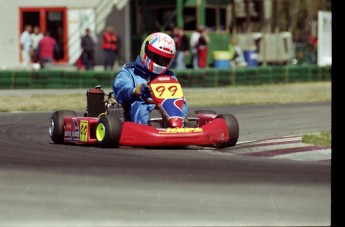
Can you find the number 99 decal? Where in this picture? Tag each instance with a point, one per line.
(170, 90)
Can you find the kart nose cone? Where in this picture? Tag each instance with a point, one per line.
(175, 122)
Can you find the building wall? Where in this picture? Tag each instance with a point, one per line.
(10, 27)
(120, 20)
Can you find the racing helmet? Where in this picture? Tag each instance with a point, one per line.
(157, 52)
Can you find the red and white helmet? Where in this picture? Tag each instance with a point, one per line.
(157, 52)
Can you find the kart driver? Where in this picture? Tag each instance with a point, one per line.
(130, 85)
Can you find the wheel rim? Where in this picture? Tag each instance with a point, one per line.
(51, 127)
(100, 132)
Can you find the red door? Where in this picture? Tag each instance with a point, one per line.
(52, 19)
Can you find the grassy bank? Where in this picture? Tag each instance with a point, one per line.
(323, 138)
(196, 97)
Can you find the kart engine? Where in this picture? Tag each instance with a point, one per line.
(95, 101)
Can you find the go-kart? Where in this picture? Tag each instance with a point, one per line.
(103, 124)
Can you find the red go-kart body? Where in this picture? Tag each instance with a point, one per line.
(108, 129)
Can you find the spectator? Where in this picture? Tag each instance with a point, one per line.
(36, 36)
(203, 42)
(25, 45)
(182, 48)
(88, 50)
(79, 63)
(109, 46)
(194, 38)
(311, 50)
(236, 53)
(46, 48)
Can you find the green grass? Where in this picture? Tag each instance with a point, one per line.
(323, 138)
(196, 97)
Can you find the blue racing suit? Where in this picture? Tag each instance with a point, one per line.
(130, 76)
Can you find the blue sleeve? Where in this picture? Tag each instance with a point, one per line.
(123, 88)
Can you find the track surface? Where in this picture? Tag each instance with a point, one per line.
(43, 184)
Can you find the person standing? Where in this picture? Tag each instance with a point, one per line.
(236, 53)
(46, 48)
(36, 36)
(88, 51)
(202, 48)
(194, 39)
(25, 45)
(182, 48)
(109, 45)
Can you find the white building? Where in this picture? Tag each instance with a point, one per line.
(66, 20)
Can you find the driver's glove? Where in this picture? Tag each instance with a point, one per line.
(142, 89)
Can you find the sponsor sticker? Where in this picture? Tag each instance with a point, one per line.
(182, 130)
(83, 130)
(68, 133)
(75, 133)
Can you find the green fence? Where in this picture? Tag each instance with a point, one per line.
(209, 77)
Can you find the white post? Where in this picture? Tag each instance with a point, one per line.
(324, 48)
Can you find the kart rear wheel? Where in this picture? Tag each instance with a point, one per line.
(56, 124)
(233, 129)
(108, 131)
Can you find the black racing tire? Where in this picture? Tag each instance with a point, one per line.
(108, 131)
(56, 124)
(233, 129)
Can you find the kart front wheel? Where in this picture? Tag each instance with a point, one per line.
(108, 131)
(233, 129)
(56, 124)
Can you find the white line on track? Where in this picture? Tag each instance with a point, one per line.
(275, 144)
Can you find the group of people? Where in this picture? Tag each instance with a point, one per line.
(42, 49)
(197, 43)
(109, 46)
(37, 48)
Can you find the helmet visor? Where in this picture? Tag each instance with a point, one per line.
(157, 58)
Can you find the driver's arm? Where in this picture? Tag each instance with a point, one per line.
(123, 88)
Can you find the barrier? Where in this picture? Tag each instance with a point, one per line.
(208, 77)
(251, 58)
(221, 59)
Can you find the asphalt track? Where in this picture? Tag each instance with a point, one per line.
(44, 184)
